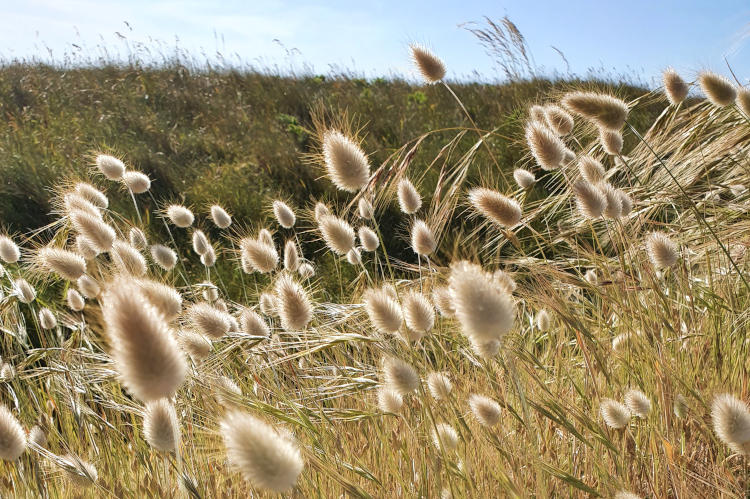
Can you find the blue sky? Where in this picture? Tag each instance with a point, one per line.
(635, 37)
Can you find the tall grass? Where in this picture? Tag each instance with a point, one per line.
(575, 354)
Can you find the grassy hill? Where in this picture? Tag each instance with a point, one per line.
(238, 137)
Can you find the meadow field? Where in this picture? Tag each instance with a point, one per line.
(218, 283)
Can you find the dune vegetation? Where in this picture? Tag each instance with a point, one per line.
(555, 305)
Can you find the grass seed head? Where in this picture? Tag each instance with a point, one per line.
(429, 65)
(137, 239)
(409, 199)
(558, 120)
(284, 214)
(638, 403)
(400, 376)
(111, 167)
(524, 178)
(440, 385)
(422, 239)
(603, 110)
(221, 218)
(590, 199)
(64, 263)
(731, 420)
(180, 216)
(718, 89)
(12, 436)
(164, 257)
(137, 182)
(546, 147)
(383, 310)
(615, 414)
(486, 410)
(502, 210)
(674, 86)
(346, 163)
(265, 459)
(337, 234)
(662, 251)
(160, 426)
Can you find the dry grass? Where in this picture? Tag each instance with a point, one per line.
(678, 333)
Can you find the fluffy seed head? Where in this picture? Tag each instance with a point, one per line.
(66, 264)
(545, 146)
(320, 211)
(364, 208)
(422, 239)
(75, 300)
(429, 65)
(625, 202)
(257, 256)
(591, 169)
(418, 313)
(408, 198)
(111, 167)
(266, 459)
(445, 437)
(37, 436)
(536, 112)
(209, 320)
(484, 309)
(638, 403)
(624, 494)
(337, 234)
(590, 199)
(346, 163)
(9, 251)
(160, 426)
(543, 320)
(615, 414)
(85, 248)
(208, 259)
(731, 420)
(137, 182)
(75, 202)
(137, 239)
(47, 319)
(165, 257)
(253, 324)
(718, 89)
(614, 201)
(23, 290)
(96, 231)
(200, 242)
(292, 304)
(180, 215)
(389, 400)
(144, 349)
(524, 178)
(443, 300)
(88, 286)
(221, 218)
(440, 385)
(196, 345)
(558, 120)
(306, 271)
(662, 251)
(486, 410)
(400, 376)
(502, 210)
(353, 256)
(12, 436)
(611, 141)
(92, 195)
(505, 281)
(210, 292)
(127, 259)
(368, 238)
(743, 100)
(605, 111)
(284, 214)
(165, 298)
(383, 310)
(674, 86)
(268, 304)
(291, 256)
